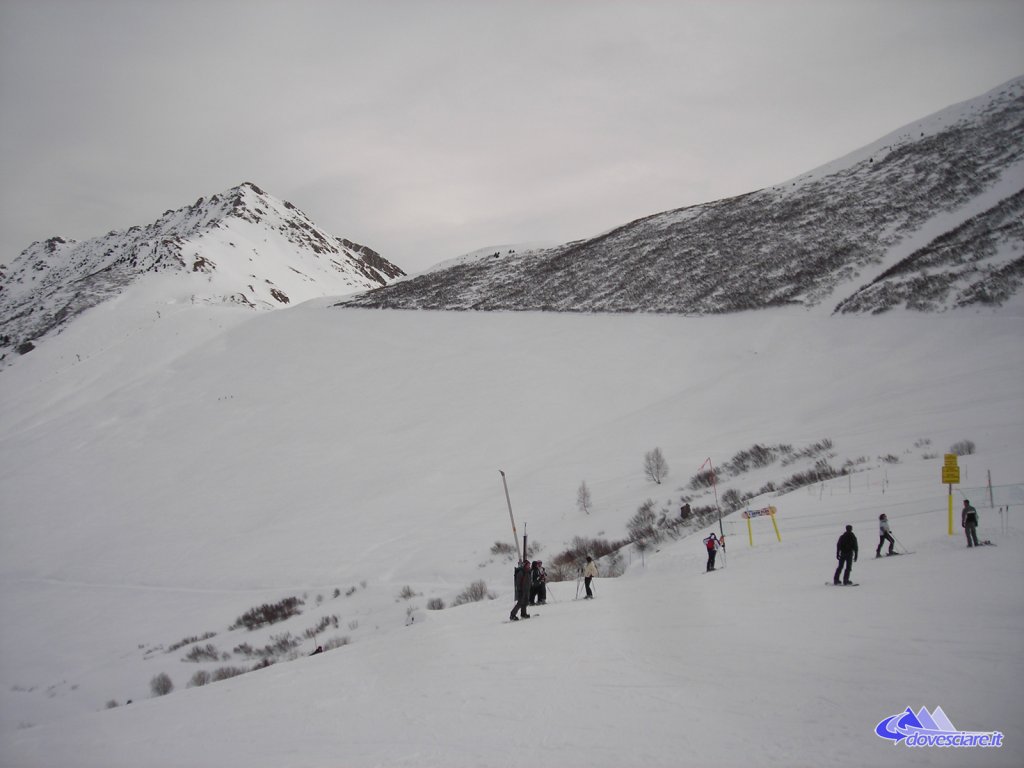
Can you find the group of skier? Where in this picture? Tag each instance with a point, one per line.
(531, 585)
(847, 550)
(530, 578)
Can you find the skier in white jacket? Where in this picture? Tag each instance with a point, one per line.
(589, 572)
(884, 534)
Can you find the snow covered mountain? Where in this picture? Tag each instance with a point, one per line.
(241, 247)
(172, 463)
(930, 217)
(348, 459)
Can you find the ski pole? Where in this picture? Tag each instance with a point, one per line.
(901, 545)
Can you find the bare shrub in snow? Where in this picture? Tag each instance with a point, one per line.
(642, 526)
(702, 480)
(337, 642)
(475, 592)
(655, 466)
(503, 548)
(583, 498)
(320, 626)
(161, 685)
(224, 673)
(962, 448)
(189, 640)
(268, 613)
(202, 653)
(732, 500)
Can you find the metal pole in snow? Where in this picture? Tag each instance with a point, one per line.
(515, 534)
(714, 485)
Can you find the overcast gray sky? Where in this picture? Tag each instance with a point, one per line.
(428, 129)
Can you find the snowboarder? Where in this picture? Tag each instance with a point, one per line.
(969, 522)
(539, 589)
(884, 534)
(846, 554)
(589, 572)
(523, 577)
(711, 542)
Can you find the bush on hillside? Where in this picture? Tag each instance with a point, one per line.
(732, 500)
(320, 626)
(504, 549)
(278, 646)
(702, 480)
(161, 685)
(643, 528)
(224, 673)
(962, 448)
(475, 592)
(566, 565)
(822, 471)
(756, 456)
(189, 640)
(206, 652)
(268, 613)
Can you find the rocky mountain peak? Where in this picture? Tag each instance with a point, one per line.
(242, 246)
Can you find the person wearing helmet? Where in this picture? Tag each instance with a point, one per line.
(884, 534)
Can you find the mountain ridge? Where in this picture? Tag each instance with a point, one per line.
(797, 243)
(242, 246)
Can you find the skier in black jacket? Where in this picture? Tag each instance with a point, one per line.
(539, 587)
(846, 554)
(523, 581)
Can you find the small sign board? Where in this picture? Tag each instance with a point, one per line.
(950, 469)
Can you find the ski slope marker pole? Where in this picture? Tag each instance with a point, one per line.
(714, 485)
